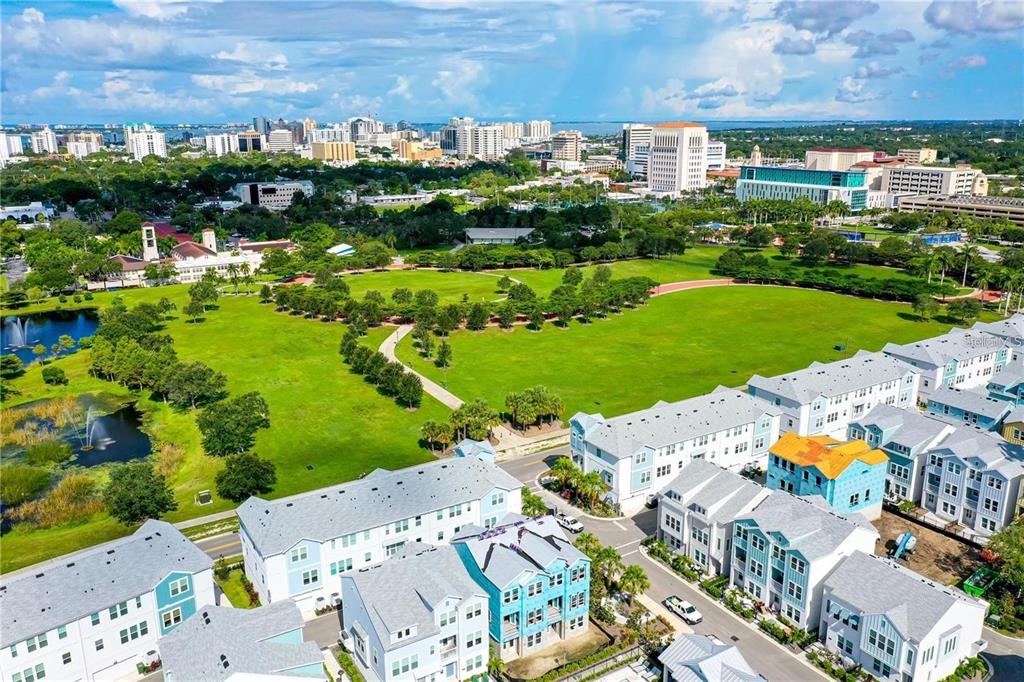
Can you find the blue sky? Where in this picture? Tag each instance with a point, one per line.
(424, 60)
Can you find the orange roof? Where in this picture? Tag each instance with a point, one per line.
(678, 124)
(830, 456)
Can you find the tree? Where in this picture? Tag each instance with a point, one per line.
(410, 390)
(54, 376)
(507, 314)
(11, 366)
(39, 350)
(65, 342)
(192, 384)
(969, 252)
(444, 355)
(634, 581)
(194, 309)
(965, 309)
(244, 475)
(925, 306)
(565, 472)
(572, 277)
(136, 492)
(266, 294)
(533, 505)
(536, 318)
(1008, 543)
(477, 317)
(230, 426)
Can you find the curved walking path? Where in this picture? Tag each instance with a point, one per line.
(673, 287)
(388, 348)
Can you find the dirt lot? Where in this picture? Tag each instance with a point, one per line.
(551, 657)
(936, 556)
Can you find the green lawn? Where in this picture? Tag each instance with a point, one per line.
(234, 590)
(677, 346)
(450, 286)
(322, 415)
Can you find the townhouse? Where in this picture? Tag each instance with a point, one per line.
(825, 398)
(905, 436)
(701, 658)
(785, 548)
(973, 478)
(95, 615)
(1013, 426)
(697, 509)
(961, 359)
(297, 547)
(1008, 384)
(896, 624)
(638, 454)
(1011, 331)
(417, 615)
(538, 584)
(848, 476)
(221, 643)
(968, 407)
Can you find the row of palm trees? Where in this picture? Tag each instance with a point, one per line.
(588, 487)
(967, 260)
(612, 574)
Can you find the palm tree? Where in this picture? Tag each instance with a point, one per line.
(587, 543)
(969, 252)
(233, 274)
(633, 581)
(590, 486)
(566, 472)
(926, 262)
(607, 563)
(945, 257)
(983, 279)
(533, 505)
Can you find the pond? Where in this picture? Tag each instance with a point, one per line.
(20, 333)
(99, 429)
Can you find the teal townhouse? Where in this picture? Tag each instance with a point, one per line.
(297, 548)
(972, 408)
(787, 184)
(97, 614)
(1008, 384)
(418, 615)
(538, 584)
(896, 624)
(962, 358)
(785, 548)
(905, 436)
(222, 643)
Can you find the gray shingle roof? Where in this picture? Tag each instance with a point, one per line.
(970, 401)
(810, 529)
(516, 545)
(64, 590)
(996, 454)
(937, 351)
(834, 378)
(912, 429)
(722, 493)
(876, 585)
(1016, 416)
(405, 590)
(1011, 329)
(201, 646)
(1010, 375)
(696, 658)
(381, 497)
(668, 423)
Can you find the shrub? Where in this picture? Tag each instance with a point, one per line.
(77, 298)
(88, 296)
(350, 668)
(20, 483)
(776, 632)
(54, 376)
(48, 452)
(62, 298)
(715, 586)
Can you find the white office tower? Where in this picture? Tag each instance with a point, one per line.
(512, 130)
(11, 145)
(143, 141)
(716, 155)
(540, 130)
(488, 142)
(82, 144)
(336, 133)
(44, 142)
(566, 144)
(280, 140)
(678, 158)
(636, 146)
(362, 128)
(459, 129)
(222, 144)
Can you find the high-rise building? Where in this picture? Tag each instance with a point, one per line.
(143, 141)
(44, 141)
(918, 156)
(450, 136)
(251, 141)
(222, 144)
(716, 155)
(565, 145)
(636, 146)
(513, 130)
(281, 140)
(261, 125)
(412, 150)
(82, 144)
(836, 158)
(678, 158)
(308, 126)
(12, 143)
(934, 180)
(362, 128)
(336, 133)
(487, 142)
(334, 151)
(540, 130)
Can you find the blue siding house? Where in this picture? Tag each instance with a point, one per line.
(538, 584)
(1008, 384)
(969, 407)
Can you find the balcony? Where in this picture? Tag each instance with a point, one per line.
(554, 611)
(509, 629)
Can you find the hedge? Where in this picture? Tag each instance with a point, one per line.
(350, 667)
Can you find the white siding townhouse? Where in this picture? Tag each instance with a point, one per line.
(639, 453)
(1011, 331)
(973, 478)
(896, 624)
(96, 614)
(785, 548)
(905, 436)
(417, 615)
(297, 547)
(701, 658)
(961, 359)
(696, 513)
(825, 398)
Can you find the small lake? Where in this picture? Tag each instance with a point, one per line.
(18, 334)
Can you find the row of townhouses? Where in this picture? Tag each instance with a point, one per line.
(817, 568)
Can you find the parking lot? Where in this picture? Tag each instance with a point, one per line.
(936, 556)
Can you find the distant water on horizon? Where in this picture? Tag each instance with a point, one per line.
(612, 127)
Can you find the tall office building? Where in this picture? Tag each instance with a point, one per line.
(82, 144)
(12, 144)
(636, 146)
(308, 126)
(540, 130)
(44, 142)
(513, 130)
(145, 141)
(956, 180)
(450, 136)
(363, 128)
(716, 155)
(565, 145)
(487, 142)
(678, 158)
(334, 151)
(261, 124)
(336, 133)
(222, 144)
(281, 140)
(251, 141)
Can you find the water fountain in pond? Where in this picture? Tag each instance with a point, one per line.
(91, 432)
(16, 331)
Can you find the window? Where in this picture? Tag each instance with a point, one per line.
(534, 639)
(448, 617)
(66, 657)
(950, 489)
(756, 568)
(179, 586)
(577, 573)
(299, 554)
(311, 577)
(991, 505)
(534, 616)
(645, 477)
(38, 641)
(474, 611)
(341, 566)
(171, 618)
(796, 565)
(854, 499)
(99, 645)
(949, 646)
(474, 639)
(62, 632)
(757, 542)
(118, 610)
(30, 674)
(881, 668)
(534, 588)
(844, 645)
(928, 655)
(497, 498)
(135, 631)
(95, 618)
(510, 596)
(881, 642)
(577, 600)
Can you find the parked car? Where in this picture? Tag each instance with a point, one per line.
(570, 523)
(684, 609)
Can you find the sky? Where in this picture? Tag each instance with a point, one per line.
(566, 60)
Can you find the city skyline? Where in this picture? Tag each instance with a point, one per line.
(176, 60)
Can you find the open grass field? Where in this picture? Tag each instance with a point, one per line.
(675, 347)
(450, 286)
(322, 416)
